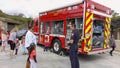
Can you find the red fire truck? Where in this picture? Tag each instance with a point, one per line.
(92, 20)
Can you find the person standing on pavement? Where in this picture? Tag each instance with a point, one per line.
(30, 38)
(112, 44)
(17, 46)
(32, 56)
(12, 41)
(23, 45)
(74, 46)
(4, 39)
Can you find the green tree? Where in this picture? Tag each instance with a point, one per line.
(19, 17)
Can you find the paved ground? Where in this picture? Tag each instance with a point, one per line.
(51, 60)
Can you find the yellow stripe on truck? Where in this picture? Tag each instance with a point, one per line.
(107, 32)
(88, 30)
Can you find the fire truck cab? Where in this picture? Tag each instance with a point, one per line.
(92, 20)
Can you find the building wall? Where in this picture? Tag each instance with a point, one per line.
(10, 26)
(118, 40)
(118, 34)
(3, 25)
(117, 45)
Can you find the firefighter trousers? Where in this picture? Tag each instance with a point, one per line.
(74, 59)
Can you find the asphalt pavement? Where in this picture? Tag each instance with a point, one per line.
(52, 60)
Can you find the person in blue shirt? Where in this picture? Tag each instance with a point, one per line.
(74, 46)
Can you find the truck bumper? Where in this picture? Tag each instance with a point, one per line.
(99, 51)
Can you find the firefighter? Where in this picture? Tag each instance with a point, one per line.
(73, 46)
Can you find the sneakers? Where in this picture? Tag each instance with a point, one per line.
(111, 54)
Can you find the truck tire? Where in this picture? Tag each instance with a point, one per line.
(57, 46)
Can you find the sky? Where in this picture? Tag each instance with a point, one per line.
(31, 8)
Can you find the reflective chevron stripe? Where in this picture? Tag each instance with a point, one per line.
(107, 31)
(88, 30)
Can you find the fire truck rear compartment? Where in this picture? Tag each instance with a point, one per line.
(97, 31)
(98, 34)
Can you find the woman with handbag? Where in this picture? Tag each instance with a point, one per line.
(12, 41)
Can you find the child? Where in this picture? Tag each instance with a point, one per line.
(45, 48)
(4, 40)
(17, 46)
(32, 56)
(23, 45)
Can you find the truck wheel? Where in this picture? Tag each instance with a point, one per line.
(56, 46)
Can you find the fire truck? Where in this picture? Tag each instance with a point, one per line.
(91, 19)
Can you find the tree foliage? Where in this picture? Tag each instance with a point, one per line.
(20, 17)
(115, 22)
(115, 17)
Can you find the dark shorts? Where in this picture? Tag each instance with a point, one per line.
(12, 45)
